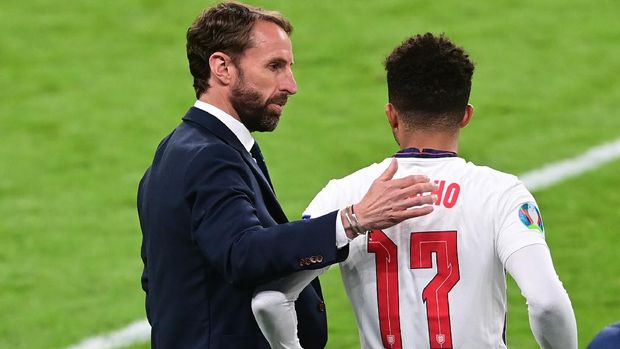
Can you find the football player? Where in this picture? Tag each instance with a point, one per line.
(436, 281)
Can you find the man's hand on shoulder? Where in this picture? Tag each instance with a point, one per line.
(390, 201)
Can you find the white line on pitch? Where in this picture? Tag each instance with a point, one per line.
(136, 332)
(553, 173)
(140, 331)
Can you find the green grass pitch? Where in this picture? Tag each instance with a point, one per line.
(88, 88)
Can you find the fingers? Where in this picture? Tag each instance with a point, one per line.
(411, 207)
(417, 201)
(414, 212)
(389, 172)
(409, 181)
(416, 190)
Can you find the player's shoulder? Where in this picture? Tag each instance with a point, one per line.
(343, 191)
(356, 182)
(490, 177)
(505, 190)
(362, 176)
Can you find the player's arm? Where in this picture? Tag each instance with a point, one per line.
(521, 246)
(550, 311)
(273, 304)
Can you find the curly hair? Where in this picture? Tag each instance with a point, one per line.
(429, 81)
(226, 28)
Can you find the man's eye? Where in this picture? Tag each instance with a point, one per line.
(274, 66)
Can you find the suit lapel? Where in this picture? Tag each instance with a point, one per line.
(218, 129)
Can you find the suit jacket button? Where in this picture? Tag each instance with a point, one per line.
(301, 263)
(319, 259)
(313, 259)
(321, 307)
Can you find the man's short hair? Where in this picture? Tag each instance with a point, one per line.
(429, 81)
(225, 28)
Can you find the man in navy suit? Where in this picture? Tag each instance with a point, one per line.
(212, 227)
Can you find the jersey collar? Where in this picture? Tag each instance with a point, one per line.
(424, 153)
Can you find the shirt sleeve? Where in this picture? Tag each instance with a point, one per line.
(273, 306)
(550, 311)
(519, 222)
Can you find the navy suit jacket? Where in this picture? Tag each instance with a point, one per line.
(212, 231)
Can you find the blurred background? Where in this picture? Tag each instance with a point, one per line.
(89, 88)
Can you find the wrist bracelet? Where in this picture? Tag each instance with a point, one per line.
(352, 226)
(358, 227)
(346, 215)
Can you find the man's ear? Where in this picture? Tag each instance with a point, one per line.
(222, 68)
(390, 113)
(469, 113)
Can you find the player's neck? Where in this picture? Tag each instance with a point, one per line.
(430, 140)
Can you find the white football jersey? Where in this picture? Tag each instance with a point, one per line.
(436, 281)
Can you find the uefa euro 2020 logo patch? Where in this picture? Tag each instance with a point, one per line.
(530, 216)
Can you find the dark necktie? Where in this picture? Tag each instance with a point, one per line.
(260, 161)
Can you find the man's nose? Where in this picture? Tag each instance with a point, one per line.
(289, 84)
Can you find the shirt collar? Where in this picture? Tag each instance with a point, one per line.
(424, 153)
(242, 133)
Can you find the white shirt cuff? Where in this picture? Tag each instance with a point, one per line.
(341, 236)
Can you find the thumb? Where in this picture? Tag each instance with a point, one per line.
(389, 172)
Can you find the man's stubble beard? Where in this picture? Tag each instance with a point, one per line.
(252, 111)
